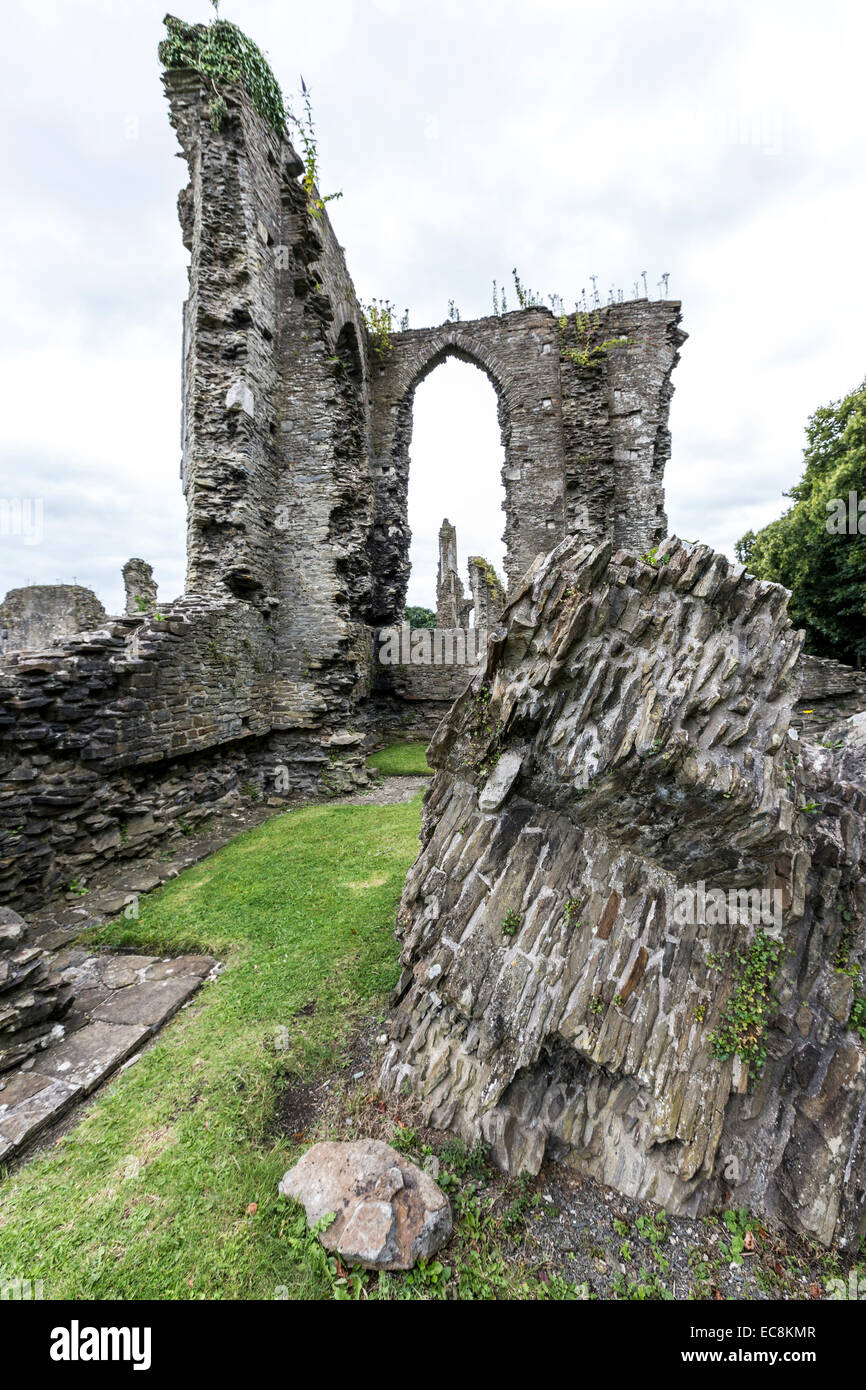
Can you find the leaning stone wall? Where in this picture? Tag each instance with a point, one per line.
(626, 746)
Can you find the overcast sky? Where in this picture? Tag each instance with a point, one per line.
(719, 141)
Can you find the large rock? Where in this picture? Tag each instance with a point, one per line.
(565, 991)
(388, 1213)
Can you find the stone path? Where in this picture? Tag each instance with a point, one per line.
(121, 1001)
(388, 792)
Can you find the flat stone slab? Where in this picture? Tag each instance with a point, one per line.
(92, 1052)
(29, 1103)
(120, 1002)
(182, 965)
(126, 970)
(147, 1004)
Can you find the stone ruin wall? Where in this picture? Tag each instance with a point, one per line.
(110, 739)
(626, 740)
(295, 443)
(579, 1037)
(42, 613)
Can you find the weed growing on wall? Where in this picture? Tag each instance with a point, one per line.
(586, 351)
(742, 1027)
(857, 1021)
(380, 318)
(306, 130)
(225, 57)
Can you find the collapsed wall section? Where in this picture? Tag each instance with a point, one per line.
(107, 741)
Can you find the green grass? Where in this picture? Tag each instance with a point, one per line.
(150, 1195)
(402, 760)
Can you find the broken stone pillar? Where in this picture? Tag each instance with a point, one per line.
(41, 614)
(33, 1000)
(140, 587)
(632, 937)
(452, 607)
(488, 592)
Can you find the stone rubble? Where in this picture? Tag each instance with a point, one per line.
(34, 998)
(388, 1212)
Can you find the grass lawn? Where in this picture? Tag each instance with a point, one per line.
(167, 1187)
(402, 760)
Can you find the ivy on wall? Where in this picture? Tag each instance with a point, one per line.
(225, 57)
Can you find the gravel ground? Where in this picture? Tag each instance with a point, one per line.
(570, 1226)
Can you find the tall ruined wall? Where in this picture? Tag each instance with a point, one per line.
(615, 407)
(585, 442)
(275, 457)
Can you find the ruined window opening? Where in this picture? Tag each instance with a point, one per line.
(456, 459)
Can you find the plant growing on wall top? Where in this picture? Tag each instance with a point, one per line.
(380, 316)
(225, 57)
(587, 351)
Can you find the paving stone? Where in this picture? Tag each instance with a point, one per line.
(86, 1057)
(148, 1004)
(182, 965)
(33, 1101)
(125, 970)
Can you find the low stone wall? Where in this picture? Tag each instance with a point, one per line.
(829, 691)
(824, 679)
(110, 740)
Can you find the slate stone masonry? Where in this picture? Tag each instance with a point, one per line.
(295, 456)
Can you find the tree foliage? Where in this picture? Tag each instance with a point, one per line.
(817, 549)
(420, 617)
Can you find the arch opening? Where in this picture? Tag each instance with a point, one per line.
(455, 474)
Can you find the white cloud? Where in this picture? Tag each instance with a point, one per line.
(718, 140)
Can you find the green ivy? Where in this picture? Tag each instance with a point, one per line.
(857, 1021)
(226, 57)
(742, 1027)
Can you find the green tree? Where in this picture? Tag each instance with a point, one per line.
(817, 549)
(420, 617)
